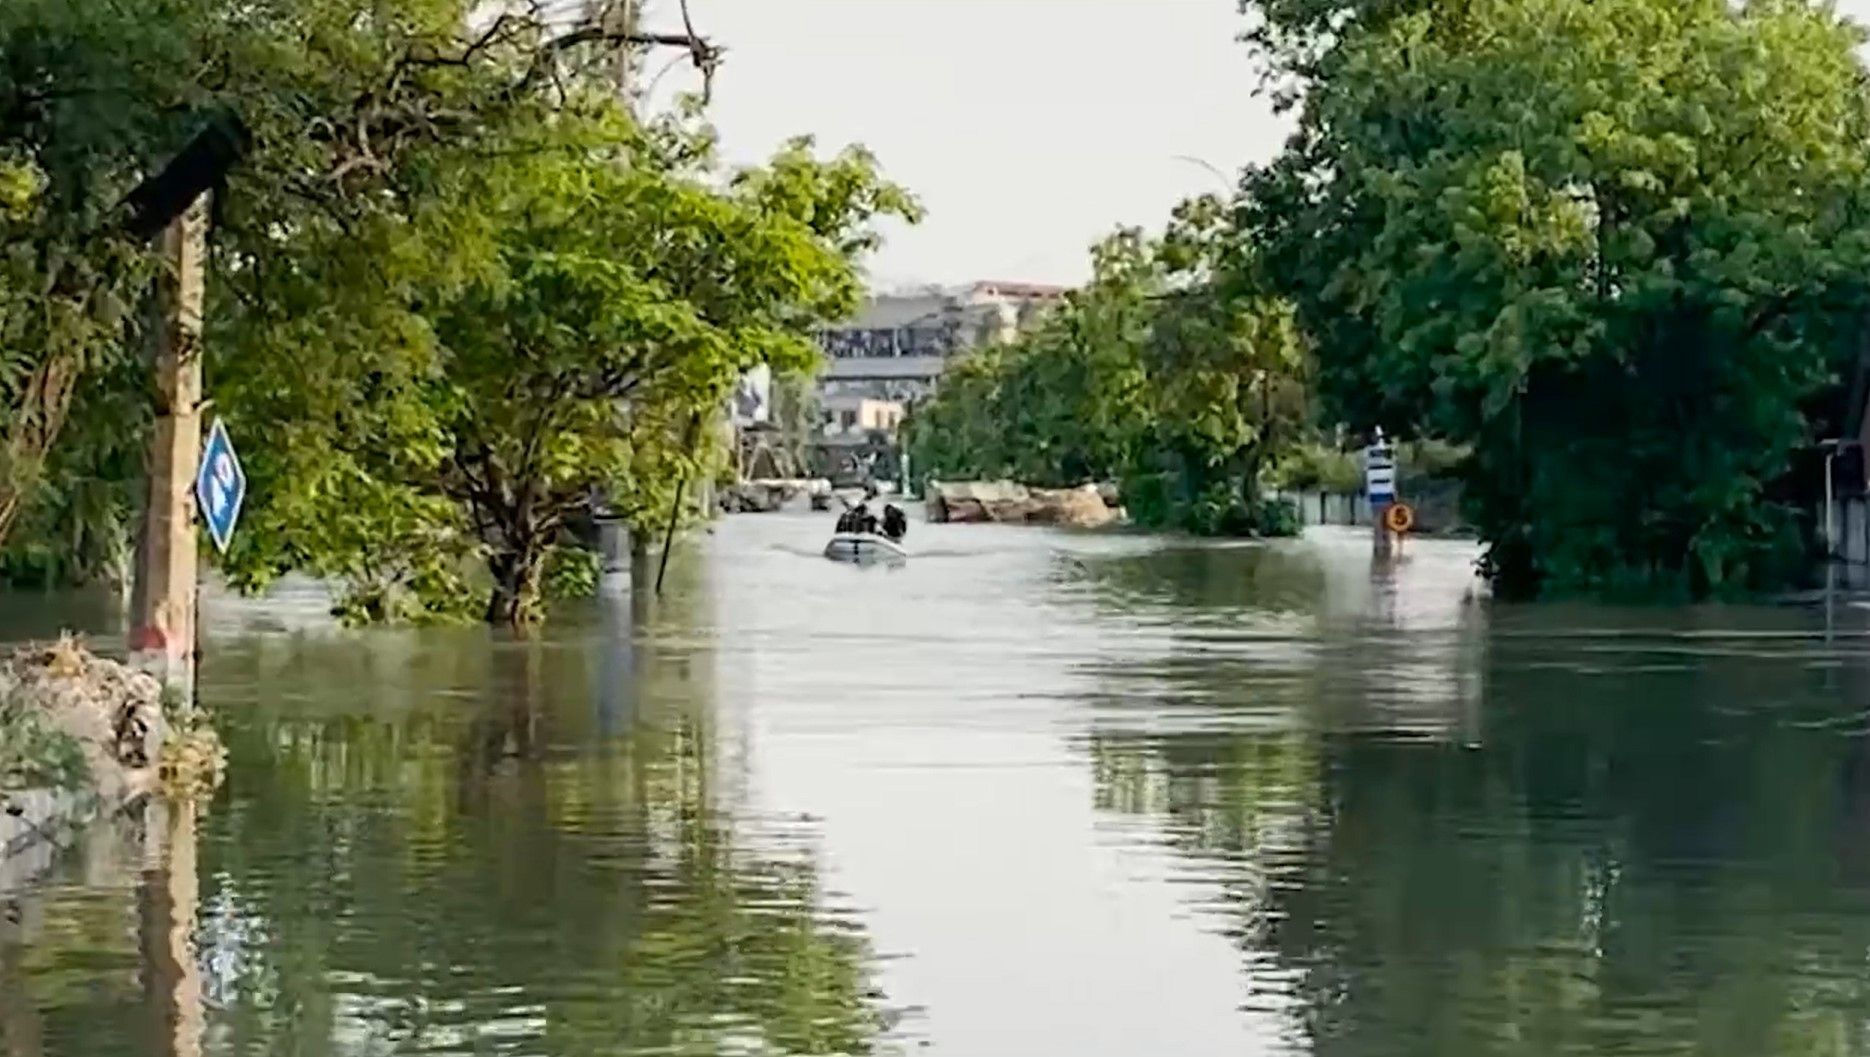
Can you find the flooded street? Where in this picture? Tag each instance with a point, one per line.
(1032, 795)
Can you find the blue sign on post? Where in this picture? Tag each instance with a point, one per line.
(1380, 473)
(220, 486)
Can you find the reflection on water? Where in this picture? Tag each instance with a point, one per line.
(451, 844)
(1031, 794)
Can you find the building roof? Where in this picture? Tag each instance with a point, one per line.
(893, 311)
(854, 401)
(885, 368)
(1019, 290)
(929, 307)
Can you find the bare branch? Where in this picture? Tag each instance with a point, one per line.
(705, 54)
(497, 33)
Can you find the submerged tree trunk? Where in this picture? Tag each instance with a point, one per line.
(515, 527)
(517, 576)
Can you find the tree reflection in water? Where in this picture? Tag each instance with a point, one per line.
(1645, 835)
(466, 858)
(109, 967)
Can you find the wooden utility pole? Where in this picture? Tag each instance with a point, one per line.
(169, 905)
(172, 208)
(162, 607)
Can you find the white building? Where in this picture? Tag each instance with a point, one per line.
(897, 347)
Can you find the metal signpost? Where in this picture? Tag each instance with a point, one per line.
(1380, 486)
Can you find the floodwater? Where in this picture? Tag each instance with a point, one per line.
(1034, 795)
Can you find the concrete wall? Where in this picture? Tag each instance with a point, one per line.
(1849, 531)
(866, 415)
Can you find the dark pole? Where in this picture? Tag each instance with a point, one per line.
(1266, 405)
(675, 509)
(668, 538)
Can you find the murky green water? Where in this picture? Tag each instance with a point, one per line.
(1032, 795)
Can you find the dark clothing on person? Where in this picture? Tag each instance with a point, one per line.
(857, 519)
(860, 519)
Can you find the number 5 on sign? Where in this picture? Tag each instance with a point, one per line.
(220, 486)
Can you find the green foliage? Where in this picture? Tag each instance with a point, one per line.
(1065, 403)
(1166, 501)
(795, 412)
(93, 97)
(579, 362)
(36, 755)
(1276, 517)
(1431, 459)
(77, 527)
(458, 295)
(572, 572)
(1319, 467)
(1294, 40)
(1615, 249)
(62, 299)
(1171, 371)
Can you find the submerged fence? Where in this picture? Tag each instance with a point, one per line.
(1437, 505)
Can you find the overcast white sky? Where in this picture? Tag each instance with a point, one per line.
(1028, 127)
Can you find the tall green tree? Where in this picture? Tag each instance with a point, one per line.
(1062, 404)
(622, 297)
(1616, 247)
(1227, 376)
(96, 97)
(88, 94)
(1173, 371)
(457, 292)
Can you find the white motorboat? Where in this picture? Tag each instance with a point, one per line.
(861, 547)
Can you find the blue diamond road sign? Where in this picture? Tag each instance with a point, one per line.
(220, 486)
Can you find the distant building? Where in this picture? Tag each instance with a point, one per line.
(752, 402)
(853, 416)
(897, 347)
(892, 354)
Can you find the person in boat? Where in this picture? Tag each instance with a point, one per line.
(857, 519)
(895, 524)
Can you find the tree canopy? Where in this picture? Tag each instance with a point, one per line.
(1616, 247)
(620, 297)
(1171, 371)
(460, 294)
(1614, 251)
